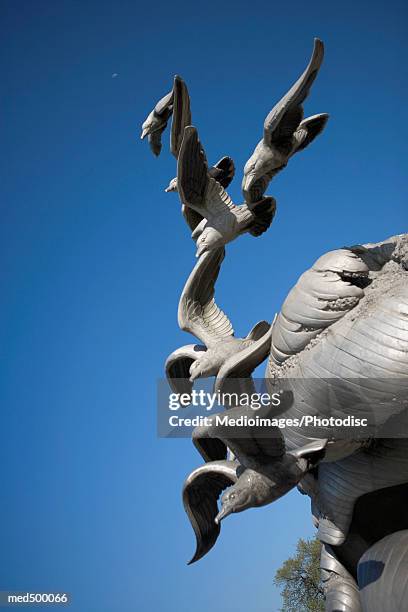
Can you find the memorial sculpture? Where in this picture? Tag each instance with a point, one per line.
(339, 343)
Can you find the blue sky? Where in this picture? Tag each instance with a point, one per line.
(94, 255)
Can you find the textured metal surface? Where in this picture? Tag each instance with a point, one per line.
(223, 221)
(383, 575)
(368, 343)
(284, 132)
(322, 296)
(222, 354)
(341, 590)
(342, 482)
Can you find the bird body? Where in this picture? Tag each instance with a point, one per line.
(222, 354)
(250, 481)
(211, 361)
(285, 132)
(222, 221)
(256, 488)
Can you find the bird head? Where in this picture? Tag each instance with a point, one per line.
(147, 125)
(258, 488)
(209, 239)
(172, 186)
(236, 499)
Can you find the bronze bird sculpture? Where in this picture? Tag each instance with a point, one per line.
(221, 354)
(284, 132)
(222, 220)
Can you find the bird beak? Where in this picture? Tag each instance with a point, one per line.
(193, 377)
(222, 514)
(169, 189)
(144, 133)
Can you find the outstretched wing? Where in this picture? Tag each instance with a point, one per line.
(181, 115)
(178, 364)
(223, 172)
(249, 442)
(243, 363)
(195, 186)
(197, 312)
(284, 118)
(201, 491)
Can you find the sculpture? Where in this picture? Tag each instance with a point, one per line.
(198, 314)
(222, 221)
(284, 132)
(339, 342)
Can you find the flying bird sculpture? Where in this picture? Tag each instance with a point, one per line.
(176, 104)
(222, 220)
(264, 472)
(223, 171)
(337, 348)
(221, 354)
(156, 122)
(285, 132)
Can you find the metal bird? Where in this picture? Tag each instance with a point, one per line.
(156, 122)
(264, 472)
(223, 171)
(222, 354)
(284, 132)
(176, 104)
(222, 220)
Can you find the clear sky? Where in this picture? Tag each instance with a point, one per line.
(94, 255)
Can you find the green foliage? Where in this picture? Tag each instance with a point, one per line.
(299, 579)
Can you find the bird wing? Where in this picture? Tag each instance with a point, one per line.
(178, 364)
(223, 171)
(256, 192)
(155, 142)
(192, 217)
(211, 449)
(181, 115)
(247, 442)
(201, 491)
(284, 118)
(195, 186)
(264, 212)
(197, 311)
(243, 363)
(308, 130)
(164, 103)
